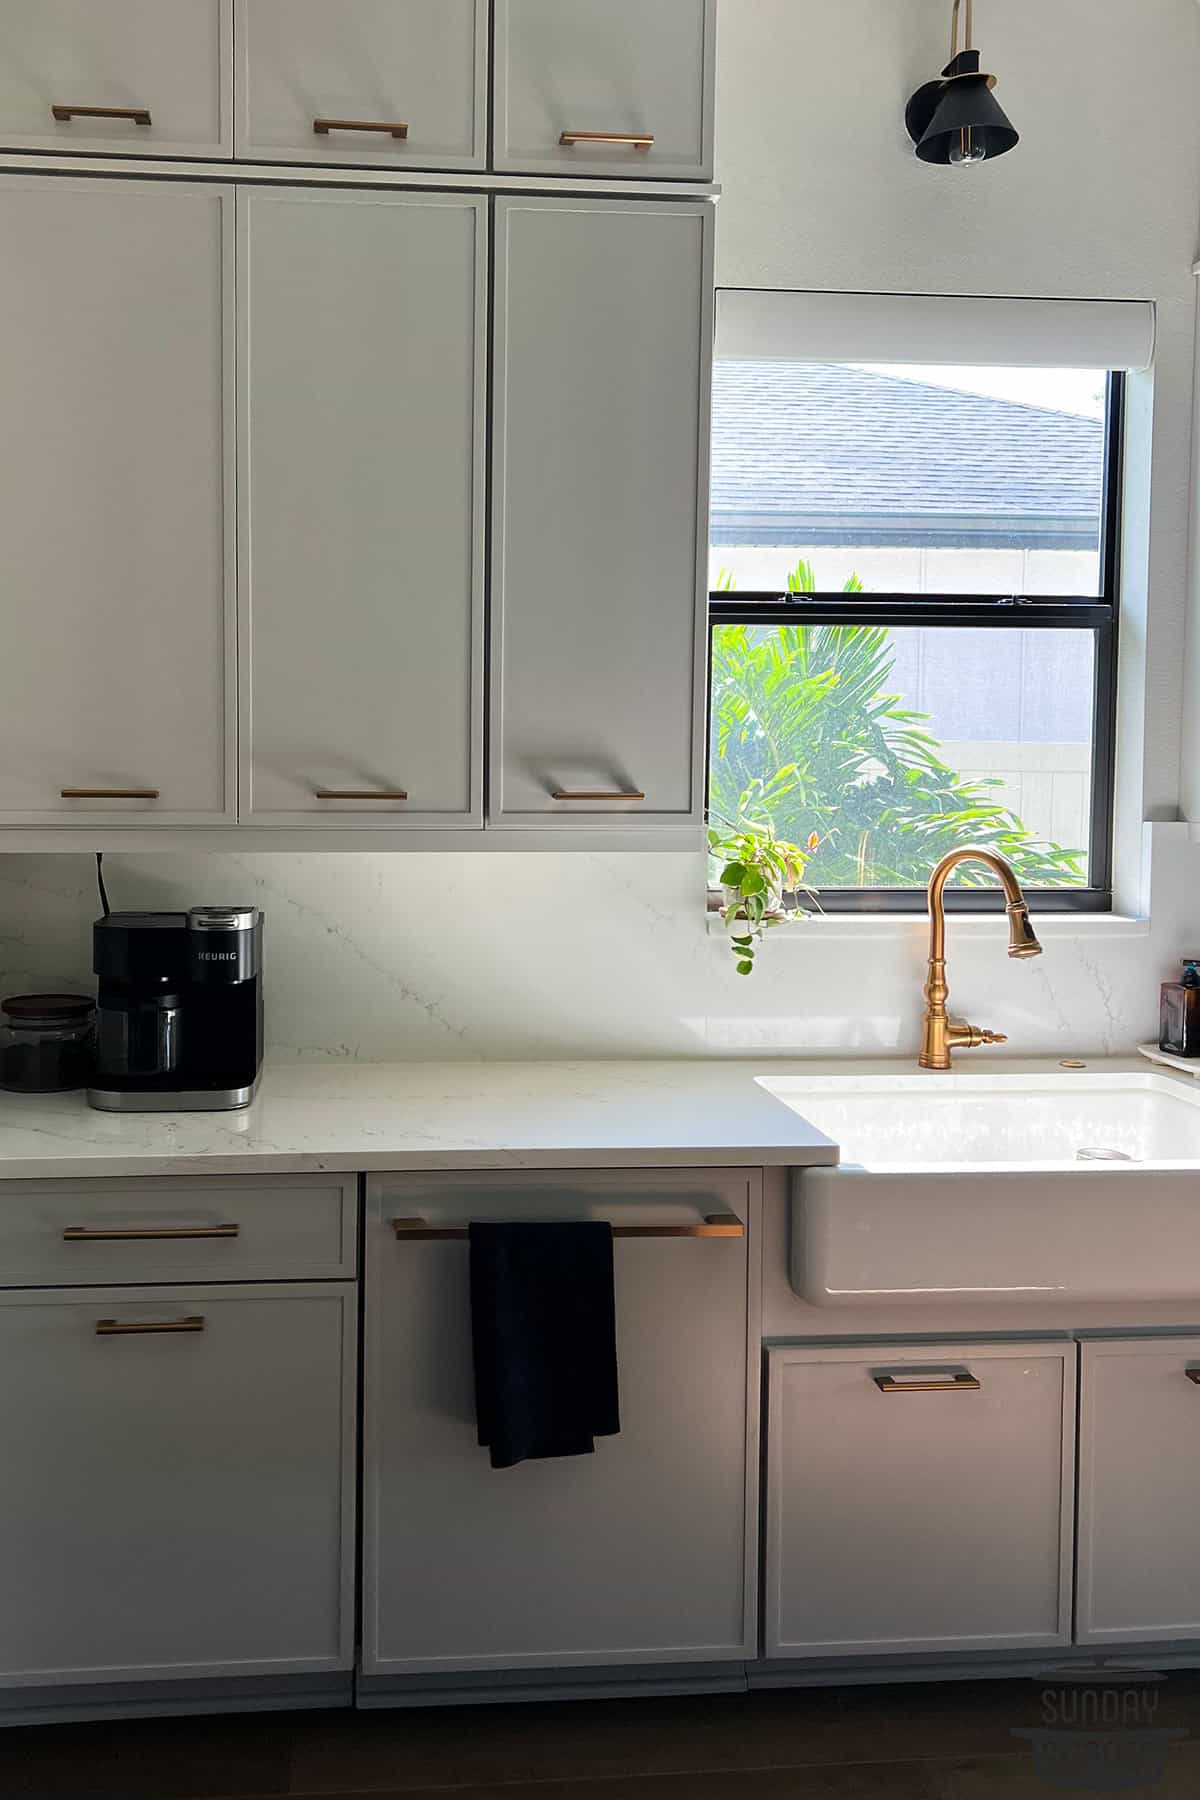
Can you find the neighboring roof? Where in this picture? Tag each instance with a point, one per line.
(820, 453)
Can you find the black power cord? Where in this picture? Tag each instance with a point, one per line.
(100, 883)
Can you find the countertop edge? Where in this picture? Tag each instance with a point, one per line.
(379, 1162)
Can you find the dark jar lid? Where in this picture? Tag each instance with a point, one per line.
(49, 1009)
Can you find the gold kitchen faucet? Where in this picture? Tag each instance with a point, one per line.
(940, 1034)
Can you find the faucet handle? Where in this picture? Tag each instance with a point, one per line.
(972, 1037)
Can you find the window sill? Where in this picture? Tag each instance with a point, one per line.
(858, 928)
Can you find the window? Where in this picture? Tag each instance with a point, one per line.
(913, 575)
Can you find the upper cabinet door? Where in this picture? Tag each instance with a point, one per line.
(363, 414)
(602, 359)
(399, 83)
(116, 442)
(606, 87)
(117, 77)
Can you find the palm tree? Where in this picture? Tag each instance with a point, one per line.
(806, 734)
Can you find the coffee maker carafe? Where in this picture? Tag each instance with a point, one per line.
(179, 1024)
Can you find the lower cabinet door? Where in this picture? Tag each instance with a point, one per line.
(1139, 1474)
(919, 1499)
(176, 1496)
(639, 1553)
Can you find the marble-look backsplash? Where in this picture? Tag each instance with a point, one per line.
(504, 956)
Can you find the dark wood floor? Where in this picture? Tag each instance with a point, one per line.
(955, 1741)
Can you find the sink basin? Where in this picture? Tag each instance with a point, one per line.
(1046, 1184)
(1051, 1120)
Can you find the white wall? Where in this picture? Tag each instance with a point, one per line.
(499, 956)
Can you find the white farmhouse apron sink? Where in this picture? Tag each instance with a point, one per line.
(1046, 1183)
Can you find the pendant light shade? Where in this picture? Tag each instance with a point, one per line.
(957, 120)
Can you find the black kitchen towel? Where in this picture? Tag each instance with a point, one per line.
(544, 1333)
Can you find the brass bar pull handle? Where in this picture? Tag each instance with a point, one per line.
(930, 1384)
(596, 794)
(145, 1234)
(147, 1327)
(108, 793)
(136, 115)
(633, 140)
(360, 794)
(393, 128)
(717, 1225)
(1193, 1376)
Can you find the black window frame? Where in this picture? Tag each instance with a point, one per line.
(1099, 614)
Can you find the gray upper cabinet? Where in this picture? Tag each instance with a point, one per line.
(600, 460)
(605, 87)
(117, 77)
(363, 417)
(393, 83)
(116, 342)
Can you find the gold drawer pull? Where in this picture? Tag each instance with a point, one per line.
(718, 1225)
(360, 793)
(108, 793)
(596, 794)
(1193, 1376)
(147, 1327)
(396, 129)
(144, 1234)
(136, 115)
(929, 1384)
(633, 140)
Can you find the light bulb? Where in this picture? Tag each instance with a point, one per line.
(966, 150)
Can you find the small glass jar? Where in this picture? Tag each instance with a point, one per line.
(1179, 1012)
(47, 1043)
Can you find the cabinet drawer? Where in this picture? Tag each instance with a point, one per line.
(136, 77)
(188, 1228)
(400, 83)
(919, 1499)
(1139, 1473)
(628, 84)
(179, 1500)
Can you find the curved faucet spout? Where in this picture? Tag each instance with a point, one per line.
(940, 1034)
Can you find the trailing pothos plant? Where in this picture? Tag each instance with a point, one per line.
(758, 872)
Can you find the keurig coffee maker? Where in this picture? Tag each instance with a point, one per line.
(179, 1024)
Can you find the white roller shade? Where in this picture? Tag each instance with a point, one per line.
(768, 324)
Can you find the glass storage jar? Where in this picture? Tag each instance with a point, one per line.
(47, 1042)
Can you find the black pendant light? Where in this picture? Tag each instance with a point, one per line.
(956, 119)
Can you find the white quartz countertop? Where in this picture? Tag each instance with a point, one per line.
(374, 1116)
